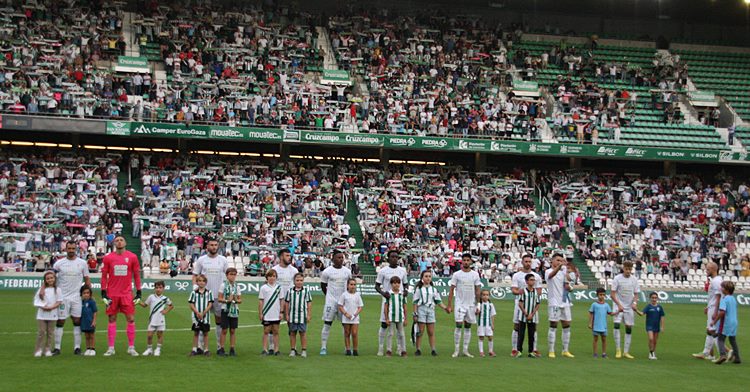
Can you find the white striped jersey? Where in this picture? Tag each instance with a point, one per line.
(426, 296)
(298, 300)
(228, 290)
(157, 303)
(395, 307)
(486, 313)
(519, 281)
(271, 297)
(201, 301)
(530, 299)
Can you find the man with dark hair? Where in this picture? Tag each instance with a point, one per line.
(286, 272)
(383, 287)
(466, 284)
(70, 272)
(517, 286)
(119, 269)
(214, 267)
(333, 284)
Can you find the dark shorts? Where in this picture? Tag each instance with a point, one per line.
(228, 322)
(297, 327)
(88, 330)
(602, 333)
(266, 323)
(650, 328)
(201, 327)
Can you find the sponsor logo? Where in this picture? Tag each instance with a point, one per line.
(469, 145)
(155, 130)
(318, 137)
(565, 149)
(534, 147)
(504, 147)
(498, 292)
(635, 152)
(705, 155)
(264, 135)
(728, 156)
(437, 143)
(142, 130)
(401, 141)
(362, 139)
(136, 61)
(292, 136)
(181, 286)
(226, 133)
(118, 128)
(609, 151)
(671, 154)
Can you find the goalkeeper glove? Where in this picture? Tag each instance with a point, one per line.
(137, 298)
(106, 299)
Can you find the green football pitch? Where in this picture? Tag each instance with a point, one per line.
(174, 370)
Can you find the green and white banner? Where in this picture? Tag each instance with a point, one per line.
(123, 128)
(402, 141)
(132, 64)
(335, 76)
(181, 284)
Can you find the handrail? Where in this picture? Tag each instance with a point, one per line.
(450, 134)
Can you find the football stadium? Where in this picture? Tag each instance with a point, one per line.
(370, 195)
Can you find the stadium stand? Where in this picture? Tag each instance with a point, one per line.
(725, 74)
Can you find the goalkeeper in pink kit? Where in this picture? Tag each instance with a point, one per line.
(119, 269)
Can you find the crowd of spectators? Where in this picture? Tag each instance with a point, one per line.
(252, 208)
(432, 74)
(49, 198)
(435, 215)
(666, 226)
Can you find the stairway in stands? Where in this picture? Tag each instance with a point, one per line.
(587, 277)
(355, 230)
(134, 244)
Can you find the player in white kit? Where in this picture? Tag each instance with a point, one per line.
(712, 307)
(625, 290)
(558, 304)
(71, 271)
(333, 284)
(285, 272)
(466, 284)
(383, 287)
(214, 267)
(518, 284)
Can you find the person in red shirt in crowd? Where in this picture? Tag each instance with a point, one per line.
(119, 269)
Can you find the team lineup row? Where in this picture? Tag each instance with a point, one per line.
(284, 298)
